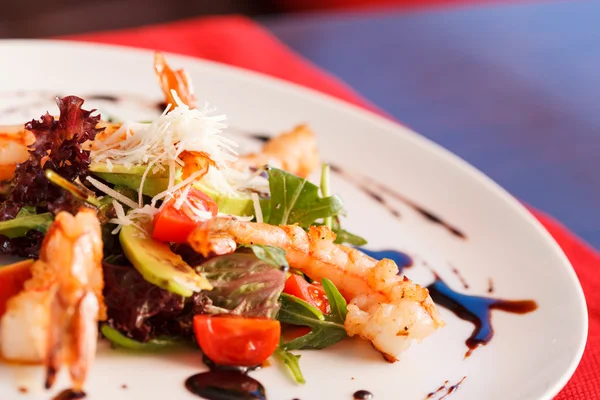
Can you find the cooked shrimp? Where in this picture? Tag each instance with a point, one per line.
(196, 161)
(173, 80)
(54, 319)
(295, 151)
(14, 140)
(388, 310)
(108, 129)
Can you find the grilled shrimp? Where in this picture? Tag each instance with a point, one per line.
(54, 319)
(295, 151)
(384, 308)
(177, 80)
(14, 140)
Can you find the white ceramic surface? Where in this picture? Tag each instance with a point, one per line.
(531, 356)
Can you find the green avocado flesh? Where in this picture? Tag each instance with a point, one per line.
(132, 177)
(157, 183)
(159, 265)
(240, 206)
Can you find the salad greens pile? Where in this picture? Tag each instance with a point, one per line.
(152, 289)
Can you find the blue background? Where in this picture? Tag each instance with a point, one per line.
(513, 89)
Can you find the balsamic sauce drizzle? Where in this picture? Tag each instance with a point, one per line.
(430, 216)
(461, 278)
(225, 383)
(362, 395)
(104, 97)
(69, 394)
(449, 389)
(490, 285)
(453, 388)
(438, 390)
(477, 310)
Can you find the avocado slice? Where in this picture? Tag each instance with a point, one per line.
(159, 265)
(242, 206)
(132, 177)
(158, 182)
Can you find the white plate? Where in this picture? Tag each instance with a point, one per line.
(531, 356)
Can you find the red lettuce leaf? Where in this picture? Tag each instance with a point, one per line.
(143, 311)
(58, 146)
(27, 246)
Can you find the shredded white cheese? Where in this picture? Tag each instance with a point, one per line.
(182, 129)
(111, 192)
(171, 192)
(121, 220)
(158, 146)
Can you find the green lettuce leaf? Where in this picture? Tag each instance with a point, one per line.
(296, 200)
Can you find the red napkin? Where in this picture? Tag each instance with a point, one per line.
(241, 42)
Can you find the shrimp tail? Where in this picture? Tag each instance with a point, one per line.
(55, 339)
(72, 339)
(85, 331)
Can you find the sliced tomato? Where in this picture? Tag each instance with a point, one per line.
(175, 225)
(235, 340)
(312, 293)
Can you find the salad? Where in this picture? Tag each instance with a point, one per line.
(158, 234)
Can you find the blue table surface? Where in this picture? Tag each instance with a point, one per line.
(513, 89)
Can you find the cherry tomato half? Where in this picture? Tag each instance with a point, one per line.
(175, 225)
(312, 293)
(235, 340)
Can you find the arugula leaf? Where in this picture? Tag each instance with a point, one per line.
(337, 303)
(24, 222)
(301, 308)
(272, 255)
(291, 361)
(343, 236)
(295, 200)
(326, 329)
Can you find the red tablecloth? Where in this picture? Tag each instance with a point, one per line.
(241, 42)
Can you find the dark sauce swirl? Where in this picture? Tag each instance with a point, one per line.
(477, 310)
(225, 385)
(69, 394)
(363, 395)
(225, 382)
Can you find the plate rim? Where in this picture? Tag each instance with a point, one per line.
(395, 128)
